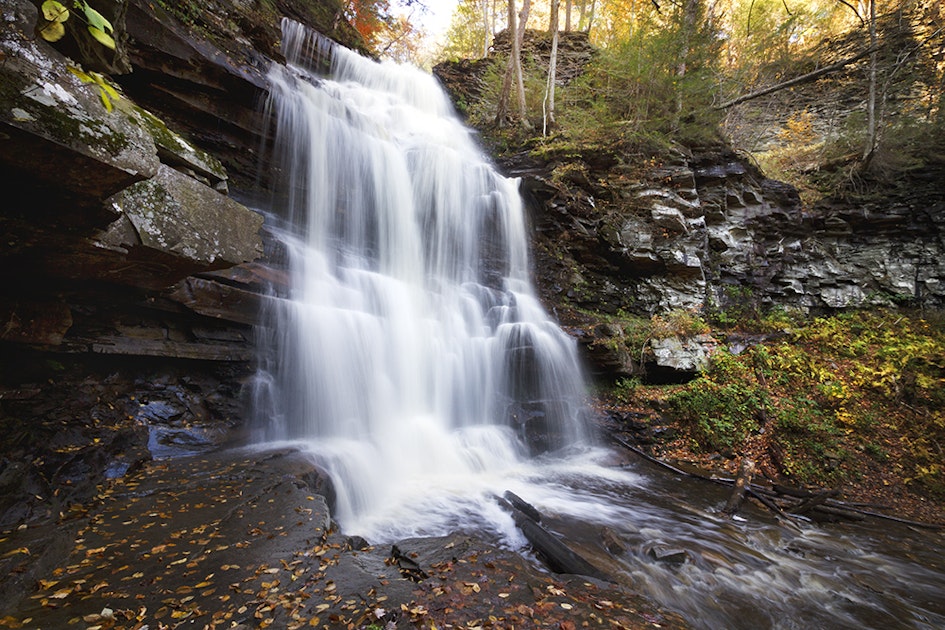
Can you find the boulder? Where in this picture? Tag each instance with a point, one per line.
(683, 354)
(56, 128)
(172, 214)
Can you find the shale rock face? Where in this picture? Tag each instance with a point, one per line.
(107, 213)
(708, 230)
(623, 228)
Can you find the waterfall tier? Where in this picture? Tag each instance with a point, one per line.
(411, 347)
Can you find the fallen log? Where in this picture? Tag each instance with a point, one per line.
(762, 498)
(813, 501)
(524, 506)
(665, 465)
(835, 513)
(850, 511)
(558, 556)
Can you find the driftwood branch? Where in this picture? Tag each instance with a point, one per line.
(804, 78)
(742, 482)
(559, 557)
(785, 501)
(811, 502)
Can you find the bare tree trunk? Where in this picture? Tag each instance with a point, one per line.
(804, 78)
(502, 110)
(870, 144)
(549, 102)
(690, 19)
(742, 483)
(567, 15)
(590, 19)
(513, 71)
(485, 28)
(517, 53)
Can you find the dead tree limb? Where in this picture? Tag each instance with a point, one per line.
(804, 78)
(559, 557)
(824, 500)
(742, 482)
(670, 467)
(810, 503)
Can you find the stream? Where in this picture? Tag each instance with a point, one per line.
(411, 359)
(665, 537)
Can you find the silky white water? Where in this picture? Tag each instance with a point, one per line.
(408, 354)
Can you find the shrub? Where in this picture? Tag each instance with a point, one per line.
(724, 406)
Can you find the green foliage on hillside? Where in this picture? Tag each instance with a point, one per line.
(830, 393)
(668, 75)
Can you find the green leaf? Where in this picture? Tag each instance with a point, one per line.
(52, 32)
(85, 78)
(102, 37)
(105, 100)
(55, 11)
(110, 91)
(96, 20)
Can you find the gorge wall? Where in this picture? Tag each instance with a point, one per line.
(130, 258)
(626, 228)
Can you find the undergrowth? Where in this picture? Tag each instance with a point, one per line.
(827, 397)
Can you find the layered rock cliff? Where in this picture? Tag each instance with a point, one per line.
(626, 228)
(127, 261)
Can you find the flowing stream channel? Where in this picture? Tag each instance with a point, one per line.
(410, 356)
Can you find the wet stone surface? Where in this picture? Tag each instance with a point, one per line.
(238, 538)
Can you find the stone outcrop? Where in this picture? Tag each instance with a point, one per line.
(102, 195)
(709, 231)
(624, 228)
(117, 233)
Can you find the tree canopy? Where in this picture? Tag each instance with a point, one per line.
(797, 83)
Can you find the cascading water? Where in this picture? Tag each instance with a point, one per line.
(410, 350)
(410, 357)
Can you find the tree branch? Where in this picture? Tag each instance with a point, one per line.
(804, 78)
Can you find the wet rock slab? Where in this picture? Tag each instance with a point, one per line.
(239, 538)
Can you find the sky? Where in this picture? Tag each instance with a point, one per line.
(436, 19)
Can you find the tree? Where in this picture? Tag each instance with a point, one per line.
(870, 144)
(514, 68)
(472, 29)
(486, 33)
(378, 26)
(549, 102)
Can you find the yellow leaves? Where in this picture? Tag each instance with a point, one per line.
(16, 552)
(474, 586)
(62, 593)
(106, 92)
(55, 13)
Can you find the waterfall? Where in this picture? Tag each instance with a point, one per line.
(409, 351)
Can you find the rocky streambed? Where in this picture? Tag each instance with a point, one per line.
(241, 538)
